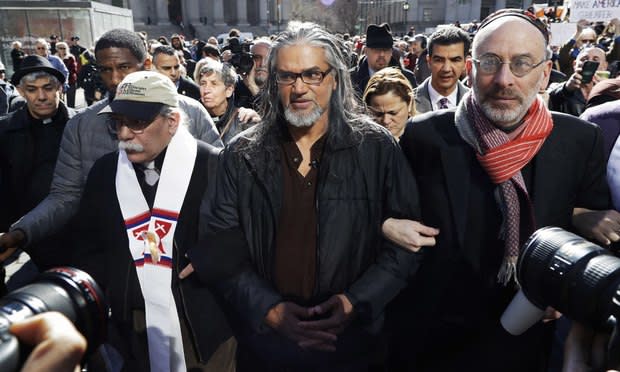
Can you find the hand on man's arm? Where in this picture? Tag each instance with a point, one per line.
(409, 234)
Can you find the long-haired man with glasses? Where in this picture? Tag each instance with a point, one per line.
(294, 239)
(492, 171)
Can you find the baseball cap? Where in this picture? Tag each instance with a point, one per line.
(141, 96)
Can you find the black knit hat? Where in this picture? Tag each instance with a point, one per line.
(35, 63)
(379, 36)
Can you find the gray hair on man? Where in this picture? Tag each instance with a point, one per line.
(345, 108)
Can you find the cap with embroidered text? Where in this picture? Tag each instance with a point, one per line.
(141, 96)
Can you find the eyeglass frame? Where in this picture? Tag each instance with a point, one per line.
(299, 75)
(498, 66)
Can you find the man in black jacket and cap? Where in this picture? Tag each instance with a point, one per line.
(29, 144)
(379, 44)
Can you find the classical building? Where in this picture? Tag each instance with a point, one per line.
(427, 14)
(211, 16)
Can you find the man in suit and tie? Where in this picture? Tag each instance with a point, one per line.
(167, 62)
(489, 173)
(447, 50)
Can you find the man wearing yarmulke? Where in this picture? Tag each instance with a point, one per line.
(138, 216)
(491, 173)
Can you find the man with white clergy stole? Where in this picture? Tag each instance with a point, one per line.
(138, 216)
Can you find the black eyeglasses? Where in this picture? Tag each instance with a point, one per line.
(520, 66)
(312, 77)
(135, 126)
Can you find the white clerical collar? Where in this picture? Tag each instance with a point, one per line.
(435, 96)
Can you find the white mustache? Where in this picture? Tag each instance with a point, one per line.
(129, 146)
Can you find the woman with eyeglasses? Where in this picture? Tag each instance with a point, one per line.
(62, 51)
(389, 100)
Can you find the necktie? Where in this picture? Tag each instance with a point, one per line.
(613, 174)
(151, 174)
(443, 103)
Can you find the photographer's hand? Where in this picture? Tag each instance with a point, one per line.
(247, 115)
(9, 241)
(581, 24)
(58, 346)
(601, 226)
(574, 82)
(584, 349)
(250, 83)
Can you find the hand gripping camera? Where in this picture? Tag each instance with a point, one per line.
(69, 291)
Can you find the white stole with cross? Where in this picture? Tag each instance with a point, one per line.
(151, 243)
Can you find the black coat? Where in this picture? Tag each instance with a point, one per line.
(360, 183)
(28, 153)
(188, 88)
(449, 316)
(561, 100)
(102, 250)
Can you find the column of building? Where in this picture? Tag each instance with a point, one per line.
(191, 11)
(161, 13)
(242, 13)
(218, 13)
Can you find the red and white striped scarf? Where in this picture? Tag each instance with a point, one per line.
(503, 159)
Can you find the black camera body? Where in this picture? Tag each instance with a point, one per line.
(69, 291)
(241, 59)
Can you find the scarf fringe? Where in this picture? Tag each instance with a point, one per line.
(508, 271)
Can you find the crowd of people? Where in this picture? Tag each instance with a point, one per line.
(313, 201)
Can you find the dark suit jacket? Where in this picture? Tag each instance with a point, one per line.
(423, 98)
(437, 316)
(422, 71)
(102, 250)
(188, 88)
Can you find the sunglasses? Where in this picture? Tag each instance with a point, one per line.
(135, 126)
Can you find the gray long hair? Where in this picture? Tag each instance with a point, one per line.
(345, 108)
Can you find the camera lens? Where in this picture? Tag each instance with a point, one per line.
(565, 271)
(69, 291)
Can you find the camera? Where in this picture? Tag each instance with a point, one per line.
(560, 269)
(241, 57)
(69, 291)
